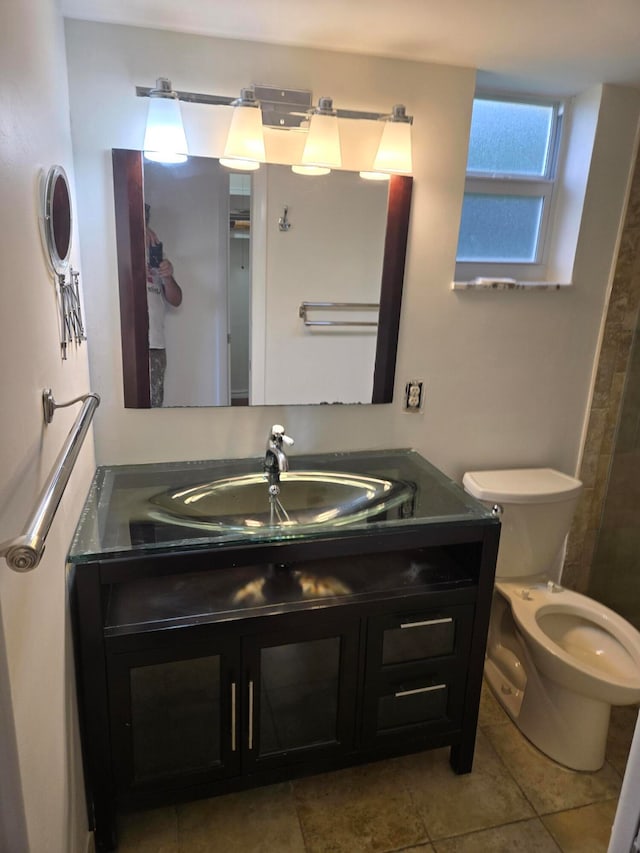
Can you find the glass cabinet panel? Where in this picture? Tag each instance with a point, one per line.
(175, 717)
(299, 695)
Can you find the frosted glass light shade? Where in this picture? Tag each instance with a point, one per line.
(164, 138)
(239, 164)
(394, 151)
(245, 141)
(310, 170)
(322, 146)
(375, 176)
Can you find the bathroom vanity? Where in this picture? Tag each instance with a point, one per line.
(219, 648)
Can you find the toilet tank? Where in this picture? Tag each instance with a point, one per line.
(538, 505)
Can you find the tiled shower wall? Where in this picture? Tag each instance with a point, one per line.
(615, 569)
(603, 552)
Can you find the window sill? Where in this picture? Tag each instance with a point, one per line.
(508, 284)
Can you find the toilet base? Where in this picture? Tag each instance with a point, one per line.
(567, 727)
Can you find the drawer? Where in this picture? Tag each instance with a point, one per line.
(412, 706)
(409, 638)
(429, 703)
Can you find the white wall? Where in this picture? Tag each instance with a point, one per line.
(108, 62)
(507, 375)
(41, 792)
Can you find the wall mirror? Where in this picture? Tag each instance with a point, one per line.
(289, 286)
(56, 218)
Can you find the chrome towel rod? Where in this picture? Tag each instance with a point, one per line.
(25, 551)
(337, 306)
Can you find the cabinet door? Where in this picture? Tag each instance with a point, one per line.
(174, 715)
(300, 693)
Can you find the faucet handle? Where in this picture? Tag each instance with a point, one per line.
(277, 432)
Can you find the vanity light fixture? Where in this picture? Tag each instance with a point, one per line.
(164, 138)
(286, 109)
(322, 151)
(245, 142)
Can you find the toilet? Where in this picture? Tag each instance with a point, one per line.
(556, 660)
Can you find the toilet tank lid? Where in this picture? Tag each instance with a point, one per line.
(521, 485)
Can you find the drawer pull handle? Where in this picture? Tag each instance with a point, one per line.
(251, 714)
(442, 621)
(233, 716)
(401, 693)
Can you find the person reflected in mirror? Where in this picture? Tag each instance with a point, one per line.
(162, 290)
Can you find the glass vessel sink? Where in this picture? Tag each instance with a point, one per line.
(306, 498)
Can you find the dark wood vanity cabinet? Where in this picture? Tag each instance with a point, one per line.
(207, 672)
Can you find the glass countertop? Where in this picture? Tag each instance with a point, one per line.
(120, 517)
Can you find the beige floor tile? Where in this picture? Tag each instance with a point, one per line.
(621, 728)
(402, 803)
(528, 836)
(454, 805)
(152, 831)
(491, 714)
(583, 830)
(261, 820)
(361, 809)
(548, 786)
(421, 848)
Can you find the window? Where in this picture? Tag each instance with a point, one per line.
(511, 169)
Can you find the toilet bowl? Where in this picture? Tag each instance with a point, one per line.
(556, 660)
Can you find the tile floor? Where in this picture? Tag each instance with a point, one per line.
(515, 801)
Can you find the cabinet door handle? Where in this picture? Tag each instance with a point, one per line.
(401, 693)
(442, 621)
(250, 714)
(233, 716)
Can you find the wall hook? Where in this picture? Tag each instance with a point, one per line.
(283, 222)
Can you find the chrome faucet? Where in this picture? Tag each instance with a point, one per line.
(275, 459)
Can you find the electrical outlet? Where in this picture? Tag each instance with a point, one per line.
(413, 396)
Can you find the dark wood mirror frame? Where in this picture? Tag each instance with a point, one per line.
(130, 244)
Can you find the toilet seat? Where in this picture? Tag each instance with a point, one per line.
(577, 642)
